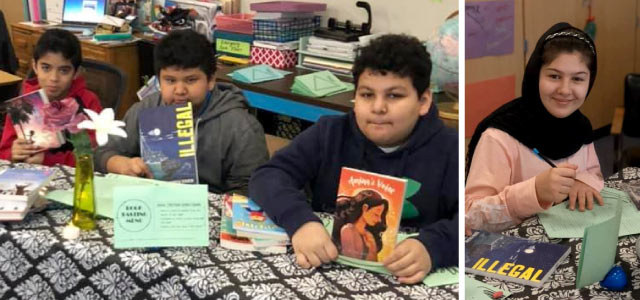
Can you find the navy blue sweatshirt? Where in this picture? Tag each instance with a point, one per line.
(316, 156)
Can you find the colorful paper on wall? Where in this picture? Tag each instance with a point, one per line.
(489, 28)
(484, 97)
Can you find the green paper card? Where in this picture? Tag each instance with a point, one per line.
(258, 73)
(560, 222)
(478, 290)
(599, 247)
(104, 187)
(442, 276)
(160, 216)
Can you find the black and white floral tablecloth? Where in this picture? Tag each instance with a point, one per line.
(37, 263)
(562, 283)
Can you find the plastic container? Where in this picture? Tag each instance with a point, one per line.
(287, 6)
(284, 30)
(238, 23)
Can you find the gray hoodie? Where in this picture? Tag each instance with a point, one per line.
(230, 143)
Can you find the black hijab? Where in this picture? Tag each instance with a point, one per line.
(528, 121)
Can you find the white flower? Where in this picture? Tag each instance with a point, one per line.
(104, 125)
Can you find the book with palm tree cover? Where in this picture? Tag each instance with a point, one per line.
(27, 115)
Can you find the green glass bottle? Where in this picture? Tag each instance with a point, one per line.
(84, 207)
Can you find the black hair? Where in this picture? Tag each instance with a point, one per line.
(569, 44)
(185, 49)
(399, 54)
(349, 210)
(59, 41)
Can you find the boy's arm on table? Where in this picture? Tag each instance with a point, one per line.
(277, 186)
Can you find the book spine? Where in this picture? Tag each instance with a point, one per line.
(43, 9)
(35, 12)
(25, 10)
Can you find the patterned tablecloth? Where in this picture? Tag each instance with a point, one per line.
(562, 283)
(37, 263)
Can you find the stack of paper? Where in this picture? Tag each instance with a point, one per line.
(333, 48)
(319, 84)
(258, 73)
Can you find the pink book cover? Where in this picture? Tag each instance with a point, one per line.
(288, 6)
(26, 113)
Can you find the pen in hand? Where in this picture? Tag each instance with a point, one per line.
(535, 150)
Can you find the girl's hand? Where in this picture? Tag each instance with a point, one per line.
(554, 185)
(584, 194)
(410, 261)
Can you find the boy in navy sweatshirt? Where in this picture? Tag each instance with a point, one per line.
(394, 129)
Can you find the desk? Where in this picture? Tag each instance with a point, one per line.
(123, 55)
(8, 79)
(37, 263)
(562, 283)
(275, 96)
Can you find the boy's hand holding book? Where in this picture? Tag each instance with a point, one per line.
(22, 149)
(313, 245)
(133, 166)
(554, 185)
(410, 261)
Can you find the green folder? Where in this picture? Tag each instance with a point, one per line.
(599, 247)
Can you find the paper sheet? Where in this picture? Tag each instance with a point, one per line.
(560, 222)
(478, 290)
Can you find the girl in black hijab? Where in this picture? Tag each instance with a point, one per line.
(506, 181)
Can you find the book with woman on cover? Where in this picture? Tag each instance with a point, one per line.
(511, 258)
(368, 212)
(28, 113)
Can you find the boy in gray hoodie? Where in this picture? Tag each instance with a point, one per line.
(230, 141)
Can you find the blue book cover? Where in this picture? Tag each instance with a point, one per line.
(168, 142)
(250, 220)
(511, 258)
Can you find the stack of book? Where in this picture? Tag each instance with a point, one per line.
(19, 190)
(245, 226)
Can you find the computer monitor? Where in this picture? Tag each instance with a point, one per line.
(83, 12)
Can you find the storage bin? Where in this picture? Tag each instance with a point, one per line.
(280, 59)
(284, 30)
(238, 23)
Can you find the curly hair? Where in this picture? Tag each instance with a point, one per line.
(349, 210)
(185, 49)
(399, 54)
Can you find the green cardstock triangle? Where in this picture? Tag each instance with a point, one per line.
(262, 74)
(320, 83)
(408, 209)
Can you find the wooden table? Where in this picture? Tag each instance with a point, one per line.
(8, 78)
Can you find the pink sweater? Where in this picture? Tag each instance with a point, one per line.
(500, 190)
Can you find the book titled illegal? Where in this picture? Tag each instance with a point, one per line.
(168, 142)
(512, 259)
